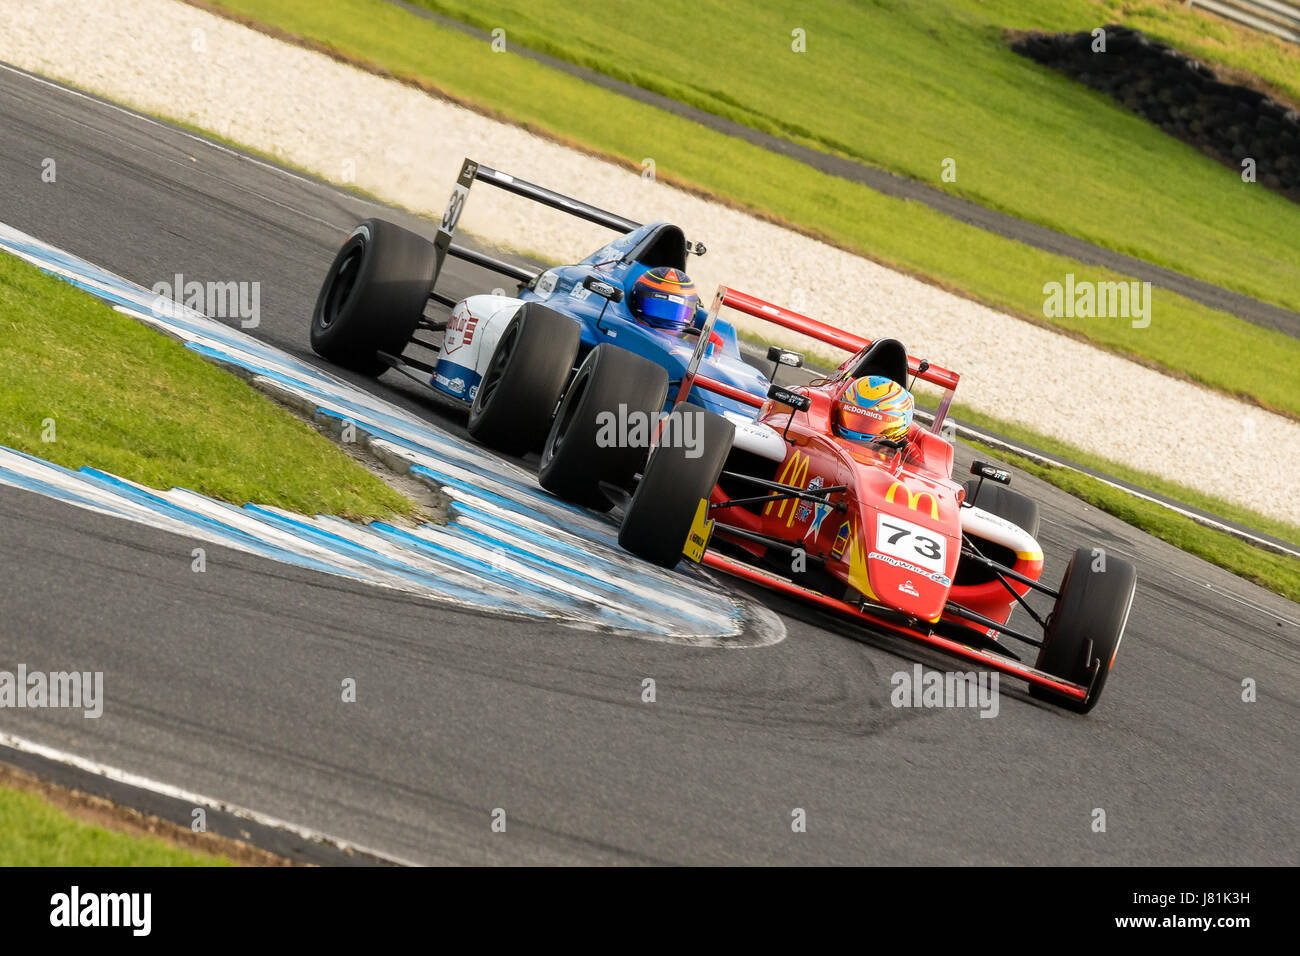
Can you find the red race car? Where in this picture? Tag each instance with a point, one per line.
(876, 529)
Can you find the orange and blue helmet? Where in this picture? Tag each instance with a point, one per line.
(664, 298)
(873, 407)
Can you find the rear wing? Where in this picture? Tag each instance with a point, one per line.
(789, 319)
(471, 172)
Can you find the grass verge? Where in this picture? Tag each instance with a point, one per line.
(905, 84)
(1211, 347)
(36, 833)
(118, 396)
(1269, 570)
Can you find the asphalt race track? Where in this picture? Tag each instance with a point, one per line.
(227, 683)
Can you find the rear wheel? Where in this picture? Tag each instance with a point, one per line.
(603, 427)
(373, 296)
(1086, 625)
(524, 380)
(681, 472)
(1005, 503)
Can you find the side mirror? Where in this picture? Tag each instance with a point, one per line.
(982, 469)
(800, 403)
(922, 367)
(606, 290)
(784, 357)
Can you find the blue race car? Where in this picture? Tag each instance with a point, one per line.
(509, 360)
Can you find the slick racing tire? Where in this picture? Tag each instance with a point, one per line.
(1005, 503)
(373, 296)
(612, 388)
(663, 507)
(1086, 625)
(524, 380)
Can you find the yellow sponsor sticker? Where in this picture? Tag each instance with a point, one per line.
(701, 529)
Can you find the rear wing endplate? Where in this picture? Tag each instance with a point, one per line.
(470, 172)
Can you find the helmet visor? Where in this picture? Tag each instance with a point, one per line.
(667, 312)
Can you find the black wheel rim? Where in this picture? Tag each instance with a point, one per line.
(496, 371)
(345, 280)
(571, 401)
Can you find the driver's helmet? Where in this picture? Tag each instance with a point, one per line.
(871, 408)
(664, 298)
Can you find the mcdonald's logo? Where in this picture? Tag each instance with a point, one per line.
(794, 472)
(914, 499)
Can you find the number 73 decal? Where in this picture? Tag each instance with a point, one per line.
(911, 543)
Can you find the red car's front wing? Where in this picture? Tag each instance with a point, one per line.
(975, 655)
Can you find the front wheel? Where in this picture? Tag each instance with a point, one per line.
(682, 471)
(603, 428)
(524, 380)
(1086, 625)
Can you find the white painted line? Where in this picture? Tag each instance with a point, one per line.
(1232, 597)
(188, 796)
(194, 137)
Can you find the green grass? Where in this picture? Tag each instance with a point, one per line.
(133, 402)
(35, 833)
(904, 84)
(1212, 347)
(1273, 571)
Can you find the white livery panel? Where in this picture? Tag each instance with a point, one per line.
(473, 330)
(981, 524)
(757, 438)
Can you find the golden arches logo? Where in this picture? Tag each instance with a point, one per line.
(913, 500)
(794, 472)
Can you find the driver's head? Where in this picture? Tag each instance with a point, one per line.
(873, 407)
(664, 298)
